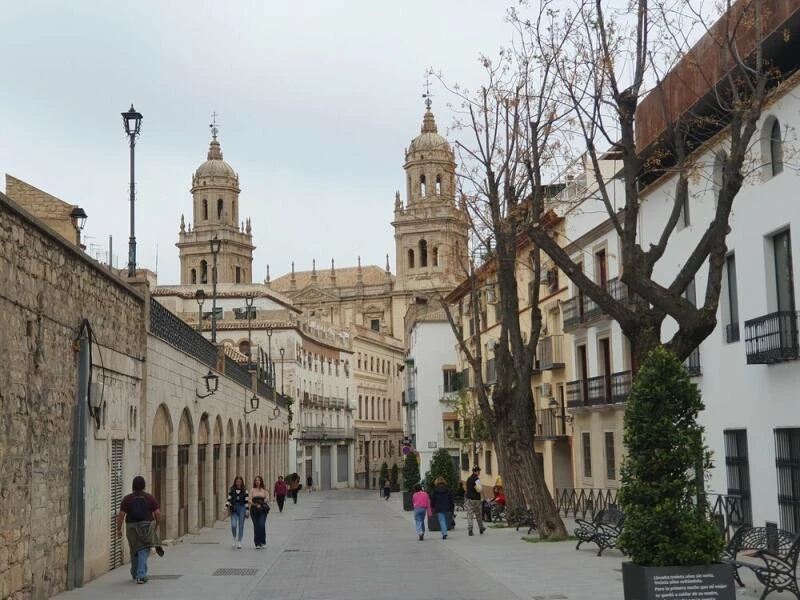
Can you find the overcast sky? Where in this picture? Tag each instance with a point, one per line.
(316, 102)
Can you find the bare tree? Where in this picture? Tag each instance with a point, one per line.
(510, 130)
(710, 94)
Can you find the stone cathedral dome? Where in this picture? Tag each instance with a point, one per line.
(429, 138)
(214, 165)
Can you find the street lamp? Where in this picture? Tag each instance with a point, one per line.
(248, 302)
(215, 246)
(78, 217)
(282, 351)
(200, 296)
(133, 125)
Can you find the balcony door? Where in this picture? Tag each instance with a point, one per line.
(784, 287)
(605, 367)
(583, 374)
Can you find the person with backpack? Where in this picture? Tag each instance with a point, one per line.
(140, 513)
(238, 506)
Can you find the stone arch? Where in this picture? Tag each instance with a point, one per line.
(218, 430)
(229, 437)
(185, 428)
(162, 427)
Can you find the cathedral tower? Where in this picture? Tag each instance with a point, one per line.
(430, 229)
(215, 204)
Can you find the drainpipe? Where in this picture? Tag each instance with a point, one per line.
(77, 504)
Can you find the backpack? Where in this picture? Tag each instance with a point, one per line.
(139, 509)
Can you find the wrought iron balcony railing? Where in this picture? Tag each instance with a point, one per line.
(581, 309)
(550, 424)
(600, 390)
(771, 338)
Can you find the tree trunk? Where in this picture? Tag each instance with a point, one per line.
(522, 476)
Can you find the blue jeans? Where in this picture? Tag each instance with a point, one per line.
(442, 516)
(139, 564)
(237, 520)
(419, 519)
(259, 527)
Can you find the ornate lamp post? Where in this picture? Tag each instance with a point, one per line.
(200, 297)
(133, 125)
(282, 351)
(78, 217)
(215, 246)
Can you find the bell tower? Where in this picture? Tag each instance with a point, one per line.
(430, 228)
(215, 209)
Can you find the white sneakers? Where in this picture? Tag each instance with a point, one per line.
(239, 545)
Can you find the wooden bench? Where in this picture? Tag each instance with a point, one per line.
(603, 530)
(755, 540)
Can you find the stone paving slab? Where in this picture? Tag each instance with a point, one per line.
(351, 545)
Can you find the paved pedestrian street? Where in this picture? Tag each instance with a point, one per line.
(353, 545)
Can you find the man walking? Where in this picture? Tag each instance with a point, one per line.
(140, 513)
(473, 500)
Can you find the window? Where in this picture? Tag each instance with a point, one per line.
(360, 407)
(423, 253)
(435, 258)
(737, 465)
(238, 275)
(410, 259)
(451, 381)
(248, 312)
(784, 286)
(611, 462)
(491, 375)
(488, 459)
(219, 208)
(203, 271)
(732, 312)
(205, 209)
(787, 462)
(776, 148)
(375, 324)
(193, 275)
(464, 461)
(438, 185)
(586, 443)
(422, 190)
(601, 268)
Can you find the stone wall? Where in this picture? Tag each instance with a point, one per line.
(48, 287)
(51, 211)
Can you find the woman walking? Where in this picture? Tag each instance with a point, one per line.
(422, 508)
(259, 507)
(280, 490)
(237, 504)
(443, 504)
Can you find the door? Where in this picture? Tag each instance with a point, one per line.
(115, 559)
(183, 489)
(605, 365)
(325, 467)
(201, 485)
(784, 289)
(583, 374)
(159, 462)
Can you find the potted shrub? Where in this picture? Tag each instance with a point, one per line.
(441, 466)
(673, 545)
(410, 479)
(394, 477)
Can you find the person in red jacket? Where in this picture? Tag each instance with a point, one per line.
(280, 492)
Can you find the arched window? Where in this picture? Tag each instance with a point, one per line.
(410, 259)
(205, 209)
(776, 148)
(422, 189)
(193, 275)
(233, 209)
(435, 256)
(219, 208)
(423, 253)
(244, 347)
(203, 271)
(438, 185)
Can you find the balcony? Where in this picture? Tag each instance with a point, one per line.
(551, 352)
(549, 424)
(599, 391)
(582, 310)
(771, 339)
(448, 394)
(692, 363)
(326, 433)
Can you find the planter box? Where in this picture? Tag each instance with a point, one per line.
(433, 522)
(712, 582)
(407, 505)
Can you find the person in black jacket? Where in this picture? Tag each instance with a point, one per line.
(443, 504)
(474, 496)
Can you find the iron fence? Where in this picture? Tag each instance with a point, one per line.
(583, 503)
(170, 328)
(771, 338)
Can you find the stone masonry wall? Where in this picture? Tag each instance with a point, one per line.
(53, 212)
(47, 288)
